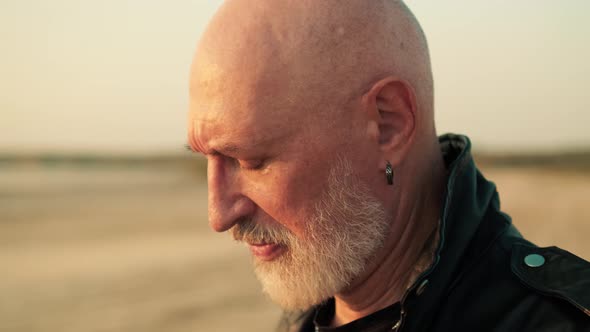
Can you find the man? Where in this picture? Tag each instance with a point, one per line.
(317, 119)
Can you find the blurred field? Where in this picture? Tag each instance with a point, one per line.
(100, 247)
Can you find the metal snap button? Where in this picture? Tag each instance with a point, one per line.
(422, 287)
(534, 260)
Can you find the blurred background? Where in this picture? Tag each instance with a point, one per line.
(103, 221)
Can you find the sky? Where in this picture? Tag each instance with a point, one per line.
(111, 76)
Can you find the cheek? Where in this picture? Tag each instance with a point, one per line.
(287, 197)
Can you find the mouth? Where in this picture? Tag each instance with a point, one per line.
(266, 251)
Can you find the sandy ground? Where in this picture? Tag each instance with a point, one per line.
(128, 249)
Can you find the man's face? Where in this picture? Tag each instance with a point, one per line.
(289, 185)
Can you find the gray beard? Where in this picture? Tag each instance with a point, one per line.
(348, 227)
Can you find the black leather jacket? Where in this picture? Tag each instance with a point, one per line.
(485, 275)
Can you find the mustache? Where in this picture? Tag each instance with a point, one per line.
(247, 230)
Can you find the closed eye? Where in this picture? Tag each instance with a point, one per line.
(252, 165)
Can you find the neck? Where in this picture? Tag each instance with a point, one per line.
(408, 252)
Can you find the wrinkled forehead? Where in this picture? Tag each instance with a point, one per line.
(230, 123)
(233, 107)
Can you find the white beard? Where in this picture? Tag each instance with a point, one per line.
(348, 227)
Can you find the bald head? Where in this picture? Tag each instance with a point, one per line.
(310, 51)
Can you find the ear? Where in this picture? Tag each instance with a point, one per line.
(391, 104)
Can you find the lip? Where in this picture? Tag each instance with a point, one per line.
(266, 251)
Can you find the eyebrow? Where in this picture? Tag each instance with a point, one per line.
(228, 148)
(224, 149)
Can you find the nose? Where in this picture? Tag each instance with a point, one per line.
(226, 203)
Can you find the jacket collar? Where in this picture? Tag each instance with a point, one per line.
(469, 196)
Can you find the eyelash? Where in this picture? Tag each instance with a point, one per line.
(260, 165)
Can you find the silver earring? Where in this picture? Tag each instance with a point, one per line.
(389, 173)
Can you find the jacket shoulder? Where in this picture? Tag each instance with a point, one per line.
(553, 272)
